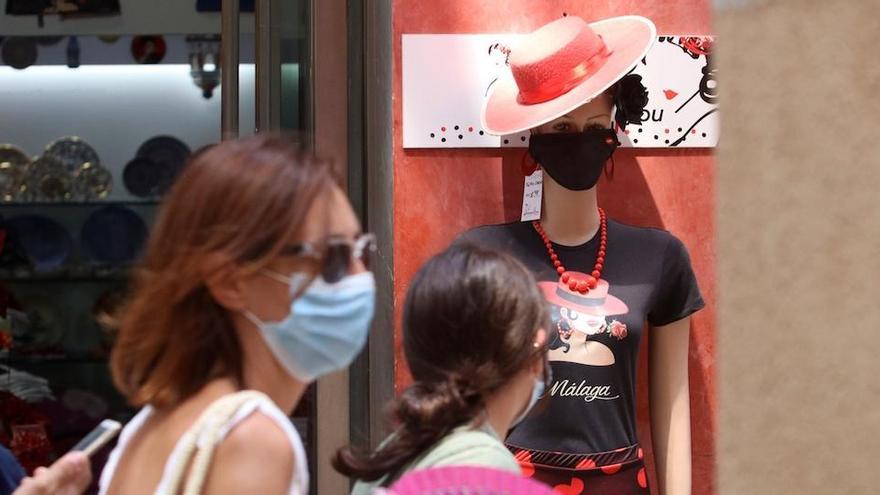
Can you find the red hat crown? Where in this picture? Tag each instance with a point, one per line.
(596, 297)
(555, 58)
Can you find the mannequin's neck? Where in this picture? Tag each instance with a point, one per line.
(570, 218)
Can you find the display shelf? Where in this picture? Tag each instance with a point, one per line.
(18, 359)
(71, 274)
(89, 203)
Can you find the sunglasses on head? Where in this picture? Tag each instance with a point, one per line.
(336, 254)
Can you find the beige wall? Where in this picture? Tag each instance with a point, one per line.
(799, 247)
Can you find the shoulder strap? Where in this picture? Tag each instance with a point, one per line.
(199, 442)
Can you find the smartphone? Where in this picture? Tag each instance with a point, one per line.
(97, 438)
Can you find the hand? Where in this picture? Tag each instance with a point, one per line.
(69, 475)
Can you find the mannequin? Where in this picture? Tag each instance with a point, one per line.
(603, 280)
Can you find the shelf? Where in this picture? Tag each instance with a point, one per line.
(76, 274)
(17, 360)
(87, 203)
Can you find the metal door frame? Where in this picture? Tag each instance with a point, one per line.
(350, 82)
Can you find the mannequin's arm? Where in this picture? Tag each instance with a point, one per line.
(670, 406)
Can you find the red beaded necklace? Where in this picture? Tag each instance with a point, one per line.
(579, 284)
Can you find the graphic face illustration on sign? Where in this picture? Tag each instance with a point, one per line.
(447, 77)
(682, 91)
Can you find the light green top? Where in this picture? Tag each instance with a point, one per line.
(465, 446)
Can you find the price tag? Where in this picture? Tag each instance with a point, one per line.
(532, 193)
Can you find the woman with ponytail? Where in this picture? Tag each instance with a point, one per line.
(474, 339)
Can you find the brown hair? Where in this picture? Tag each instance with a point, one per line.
(241, 199)
(469, 323)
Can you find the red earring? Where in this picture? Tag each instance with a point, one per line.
(528, 165)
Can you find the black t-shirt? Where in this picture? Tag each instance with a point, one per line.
(647, 277)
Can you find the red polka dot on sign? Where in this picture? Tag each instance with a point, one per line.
(442, 129)
(626, 132)
(642, 478)
(666, 131)
(693, 131)
(470, 129)
(641, 454)
(586, 464)
(576, 487)
(612, 469)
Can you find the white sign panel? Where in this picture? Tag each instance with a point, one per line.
(447, 76)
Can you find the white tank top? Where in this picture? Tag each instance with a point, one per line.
(298, 485)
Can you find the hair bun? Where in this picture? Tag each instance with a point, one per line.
(448, 403)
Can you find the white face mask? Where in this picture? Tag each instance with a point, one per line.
(538, 389)
(326, 328)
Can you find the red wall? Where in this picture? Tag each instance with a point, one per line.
(440, 193)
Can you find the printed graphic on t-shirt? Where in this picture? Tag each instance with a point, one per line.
(589, 408)
(579, 322)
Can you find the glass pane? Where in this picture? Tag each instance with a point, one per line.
(97, 122)
(295, 59)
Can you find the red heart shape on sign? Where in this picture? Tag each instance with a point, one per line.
(575, 488)
(670, 94)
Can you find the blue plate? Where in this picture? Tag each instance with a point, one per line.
(144, 178)
(113, 235)
(46, 243)
(169, 154)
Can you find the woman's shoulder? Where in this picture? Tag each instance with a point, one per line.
(469, 447)
(260, 439)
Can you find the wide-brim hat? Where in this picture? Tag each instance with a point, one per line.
(596, 302)
(562, 65)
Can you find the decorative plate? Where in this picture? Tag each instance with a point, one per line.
(13, 166)
(47, 179)
(73, 152)
(92, 181)
(19, 52)
(113, 235)
(148, 49)
(169, 153)
(13, 154)
(45, 242)
(144, 178)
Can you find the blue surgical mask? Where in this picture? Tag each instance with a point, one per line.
(327, 326)
(537, 392)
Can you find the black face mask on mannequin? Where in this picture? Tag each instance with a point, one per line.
(574, 160)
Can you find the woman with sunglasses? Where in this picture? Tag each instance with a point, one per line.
(473, 336)
(253, 279)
